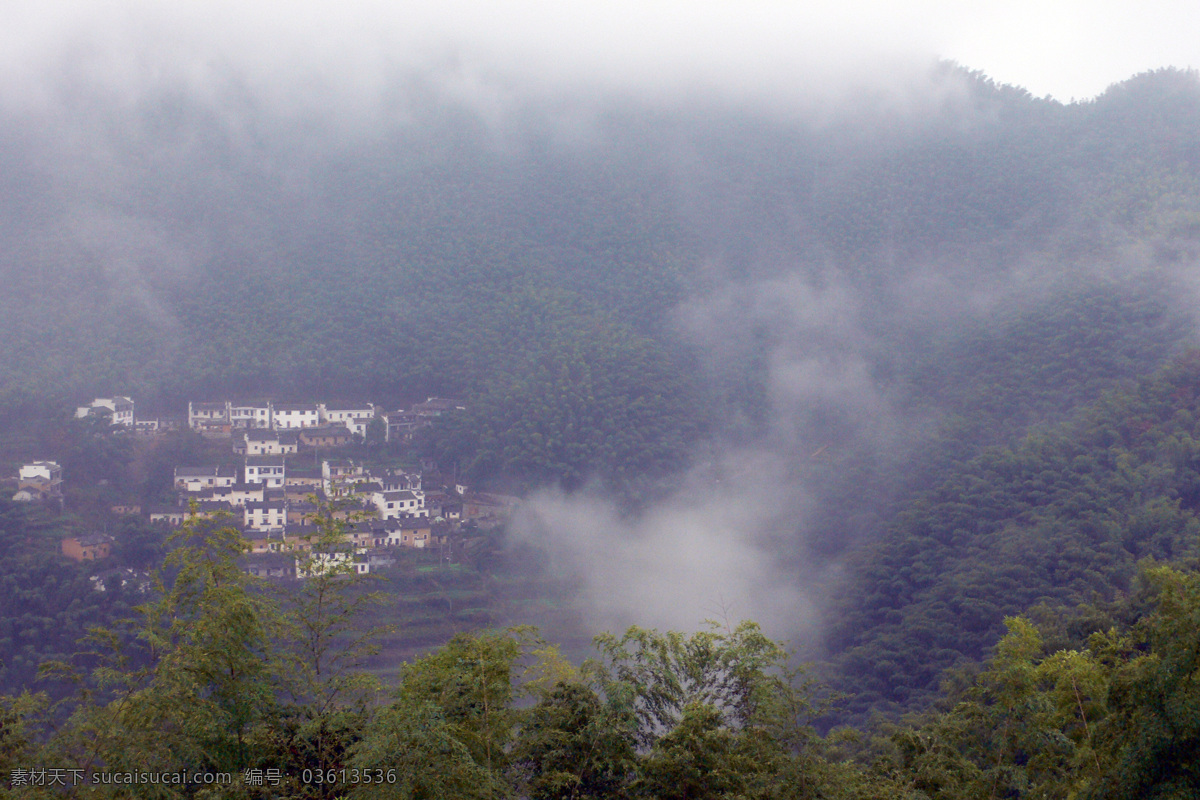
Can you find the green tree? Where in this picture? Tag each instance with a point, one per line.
(463, 693)
(574, 744)
(741, 672)
(1153, 726)
(699, 759)
(325, 642)
(213, 633)
(720, 712)
(195, 695)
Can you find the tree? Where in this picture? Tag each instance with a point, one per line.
(1153, 727)
(325, 642)
(195, 696)
(721, 713)
(139, 544)
(453, 706)
(574, 744)
(699, 759)
(216, 672)
(740, 672)
(376, 432)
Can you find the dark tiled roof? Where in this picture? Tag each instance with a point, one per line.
(264, 461)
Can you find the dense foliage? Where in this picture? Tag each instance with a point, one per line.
(272, 698)
(49, 602)
(1114, 717)
(1062, 518)
(232, 682)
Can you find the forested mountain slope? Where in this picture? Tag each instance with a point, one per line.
(955, 320)
(174, 245)
(1060, 519)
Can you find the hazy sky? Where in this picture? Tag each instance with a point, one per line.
(1066, 48)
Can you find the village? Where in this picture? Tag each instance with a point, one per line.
(301, 507)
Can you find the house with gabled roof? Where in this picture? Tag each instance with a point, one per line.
(268, 515)
(341, 558)
(302, 480)
(397, 480)
(347, 413)
(208, 417)
(392, 505)
(250, 415)
(301, 512)
(326, 436)
(336, 473)
(268, 442)
(269, 564)
(172, 516)
(195, 479)
(120, 409)
(402, 426)
(237, 495)
(478, 505)
(441, 504)
(408, 531)
(287, 416)
(267, 470)
(87, 546)
(212, 509)
(352, 508)
(39, 480)
(436, 406)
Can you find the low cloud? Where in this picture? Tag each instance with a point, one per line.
(732, 541)
(709, 551)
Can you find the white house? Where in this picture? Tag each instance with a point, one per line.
(342, 561)
(242, 493)
(206, 416)
(237, 495)
(391, 505)
(195, 479)
(267, 470)
(286, 416)
(250, 415)
(40, 472)
(348, 414)
(171, 516)
(39, 480)
(397, 480)
(271, 443)
(360, 425)
(338, 473)
(121, 409)
(267, 515)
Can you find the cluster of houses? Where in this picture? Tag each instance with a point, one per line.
(276, 498)
(277, 492)
(322, 424)
(316, 424)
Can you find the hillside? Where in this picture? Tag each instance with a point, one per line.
(896, 282)
(1061, 519)
(220, 250)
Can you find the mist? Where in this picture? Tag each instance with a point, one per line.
(730, 542)
(844, 219)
